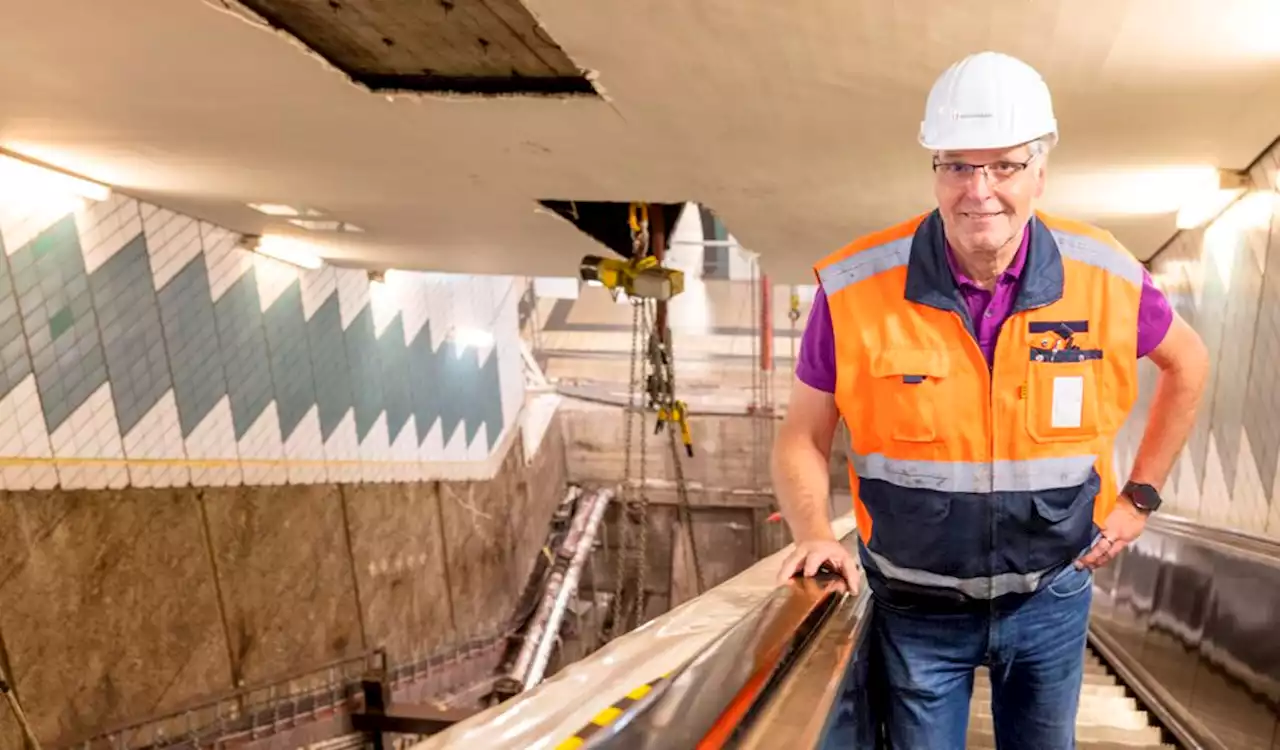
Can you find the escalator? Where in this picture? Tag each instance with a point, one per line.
(1108, 719)
(797, 671)
(808, 682)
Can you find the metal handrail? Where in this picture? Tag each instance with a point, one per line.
(1231, 538)
(705, 701)
(373, 660)
(804, 709)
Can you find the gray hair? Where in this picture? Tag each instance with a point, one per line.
(1042, 145)
(1039, 147)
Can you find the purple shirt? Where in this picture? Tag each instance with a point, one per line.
(816, 366)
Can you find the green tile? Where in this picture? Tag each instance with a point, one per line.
(61, 322)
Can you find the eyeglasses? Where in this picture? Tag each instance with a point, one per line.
(996, 170)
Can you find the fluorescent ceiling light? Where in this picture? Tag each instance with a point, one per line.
(325, 225)
(22, 177)
(282, 209)
(1209, 199)
(287, 249)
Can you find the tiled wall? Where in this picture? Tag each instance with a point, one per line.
(1224, 279)
(142, 347)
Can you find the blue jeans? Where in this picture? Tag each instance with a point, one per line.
(1034, 649)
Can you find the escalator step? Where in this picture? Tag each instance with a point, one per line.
(1090, 678)
(980, 741)
(1108, 719)
(1089, 702)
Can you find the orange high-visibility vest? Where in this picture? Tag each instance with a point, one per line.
(972, 482)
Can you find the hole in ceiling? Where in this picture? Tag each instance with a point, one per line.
(439, 46)
(606, 221)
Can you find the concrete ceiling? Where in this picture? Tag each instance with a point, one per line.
(796, 123)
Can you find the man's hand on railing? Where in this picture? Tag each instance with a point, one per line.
(808, 557)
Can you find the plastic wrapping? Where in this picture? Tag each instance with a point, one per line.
(541, 718)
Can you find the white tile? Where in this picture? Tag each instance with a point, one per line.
(24, 217)
(432, 448)
(317, 286)
(261, 450)
(226, 262)
(1248, 485)
(439, 307)
(384, 301)
(273, 279)
(106, 227)
(511, 380)
(214, 441)
(1188, 485)
(173, 241)
(1215, 499)
(535, 419)
(26, 437)
(158, 436)
(455, 445)
(404, 451)
(304, 451)
(375, 453)
(478, 450)
(342, 450)
(411, 293)
(353, 294)
(91, 432)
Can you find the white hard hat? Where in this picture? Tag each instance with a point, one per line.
(987, 100)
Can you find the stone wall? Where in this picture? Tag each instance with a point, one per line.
(116, 605)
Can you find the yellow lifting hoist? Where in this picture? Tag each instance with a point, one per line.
(641, 276)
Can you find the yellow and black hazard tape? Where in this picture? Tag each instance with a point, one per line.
(609, 715)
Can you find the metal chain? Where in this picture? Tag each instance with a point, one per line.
(624, 522)
(642, 549)
(677, 462)
(638, 223)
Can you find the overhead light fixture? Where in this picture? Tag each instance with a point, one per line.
(282, 209)
(376, 277)
(19, 175)
(325, 225)
(285, 249)
(1211, 198)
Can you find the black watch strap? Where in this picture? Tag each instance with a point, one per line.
(1143, 496)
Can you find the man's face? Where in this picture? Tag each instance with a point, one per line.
(985, 209)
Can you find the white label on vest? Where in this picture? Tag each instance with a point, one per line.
(1068, 401)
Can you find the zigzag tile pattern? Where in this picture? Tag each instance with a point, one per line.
(1224, 279)
(114, 313)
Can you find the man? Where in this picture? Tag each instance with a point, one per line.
(983, 357)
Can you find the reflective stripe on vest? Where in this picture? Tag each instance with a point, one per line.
(969, 476)
(1030, 475)
(981, 587)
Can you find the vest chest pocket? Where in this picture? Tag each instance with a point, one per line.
(907, 392)
(1062, 395)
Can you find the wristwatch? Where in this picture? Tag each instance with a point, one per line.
(1143, 496)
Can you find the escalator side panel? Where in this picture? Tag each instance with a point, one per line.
(1195, 612)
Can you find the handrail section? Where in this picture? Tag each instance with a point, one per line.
(825, 700)
(704, 704)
